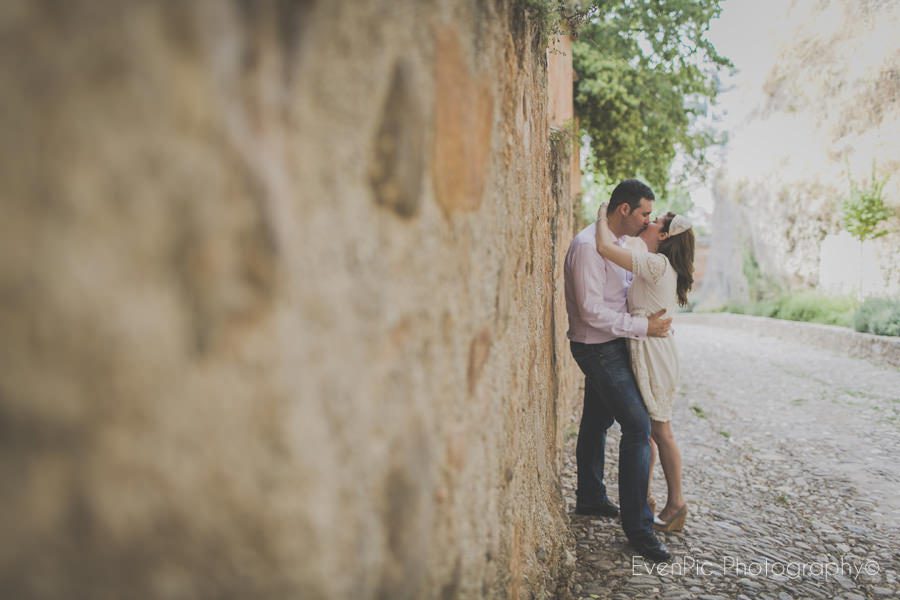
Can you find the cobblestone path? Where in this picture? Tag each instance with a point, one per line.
(790, 470)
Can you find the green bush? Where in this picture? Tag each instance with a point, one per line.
(878, 315)
(865, 211)
(816, 308)
(809, 306)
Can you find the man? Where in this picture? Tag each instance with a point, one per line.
(598, 325)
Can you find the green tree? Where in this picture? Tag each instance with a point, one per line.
(596, 188)
(864, 210)
(677, 200)
(864, 214)
(645, 72)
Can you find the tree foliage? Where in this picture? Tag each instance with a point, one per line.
(645, 70)
(865, 212)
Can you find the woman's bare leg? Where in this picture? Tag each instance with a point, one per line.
(670, 459)
(653, 451)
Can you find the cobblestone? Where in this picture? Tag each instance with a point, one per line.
(790, 470)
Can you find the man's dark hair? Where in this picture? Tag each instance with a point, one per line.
(629, 191)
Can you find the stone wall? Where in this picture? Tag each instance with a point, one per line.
(281, 300)
(880, 349)
(825, 114)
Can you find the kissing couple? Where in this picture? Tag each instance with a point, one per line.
(624, 277)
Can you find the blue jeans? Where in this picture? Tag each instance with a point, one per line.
(611, 393)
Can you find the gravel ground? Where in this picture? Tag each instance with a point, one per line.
(790, 471)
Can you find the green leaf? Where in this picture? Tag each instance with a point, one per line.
(645, 72)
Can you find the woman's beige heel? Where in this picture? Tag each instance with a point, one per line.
(676, 523)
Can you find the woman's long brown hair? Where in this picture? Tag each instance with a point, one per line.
(679, 249)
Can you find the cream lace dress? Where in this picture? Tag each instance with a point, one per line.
(654, 359)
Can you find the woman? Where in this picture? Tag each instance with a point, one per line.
(663, 275)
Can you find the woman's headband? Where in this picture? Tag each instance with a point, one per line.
(678, 225)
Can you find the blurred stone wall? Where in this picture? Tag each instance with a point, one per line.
(828, 113)
(281, 301)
